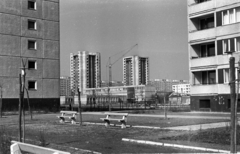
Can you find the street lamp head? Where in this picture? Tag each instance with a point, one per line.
(22, 70)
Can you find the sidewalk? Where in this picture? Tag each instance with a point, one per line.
(201, 126)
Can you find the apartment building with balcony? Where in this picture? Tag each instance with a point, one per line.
(85, 71)
(214, 29)
(135, 70)
(29, 31)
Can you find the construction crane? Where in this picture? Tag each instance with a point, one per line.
(110, 70)
(111, 64)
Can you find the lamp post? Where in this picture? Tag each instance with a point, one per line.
(23, 75)
(233, 102)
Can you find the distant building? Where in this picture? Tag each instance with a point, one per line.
(85, 71)
(29, 31)
(213, 30)
(137, 93)
(114, 83)
(165, 85)
(65, 87)
(135, 70)
(182, 89)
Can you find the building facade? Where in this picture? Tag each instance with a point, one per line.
(65, 88)
(165, 85)
(135, 70)
(214, 29)
(85, 71)
(29, 34)
(182, 89)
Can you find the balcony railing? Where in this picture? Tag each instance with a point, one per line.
(204, 88)
(202, 34)
(194, 8)
(203, 61)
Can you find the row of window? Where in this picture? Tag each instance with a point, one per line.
(225, 17)
(209, 77)
(226, 45)
(230, 16)
(32, 44)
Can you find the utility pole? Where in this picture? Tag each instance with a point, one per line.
(20, 110)
(79, 106)
(109, 103)
(232, 97)
(1, 102)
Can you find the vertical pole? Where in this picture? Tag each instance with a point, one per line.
(236, 106)
(232, 97)
(79, 107)
(20, 110)
(110, 72)
(23, 110)
(109, 103)
(1, 102)
(165, 113)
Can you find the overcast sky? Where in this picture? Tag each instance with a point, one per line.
(159, 27)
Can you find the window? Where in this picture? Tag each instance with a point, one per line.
(226, 75)
(32, 64)
(207, 50)
(32, 85)
(209, 77)
(207, 23)
(229, 16)
(32, 24)
(237, 44)
(238, 14)
(32, 45)
(204, 77)
(229, 45)
(32, 4)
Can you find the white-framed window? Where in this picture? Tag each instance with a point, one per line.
(32, 85)
(32, 64)
(32, 4)
(226, 75)
(237, 44)
(32, 24)
(32, 44)
(238, 14)
(231, 16)
(230, 44)
(225, 17)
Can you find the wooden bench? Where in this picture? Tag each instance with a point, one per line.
(110, 116)
(68, 114)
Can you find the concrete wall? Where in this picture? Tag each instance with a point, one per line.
(9, 24)
(14, 36)
(10, 6)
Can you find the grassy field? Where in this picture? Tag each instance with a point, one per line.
(46, 129)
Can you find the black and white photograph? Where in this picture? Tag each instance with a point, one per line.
(119, 76)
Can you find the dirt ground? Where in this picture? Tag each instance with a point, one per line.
(97, 138)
